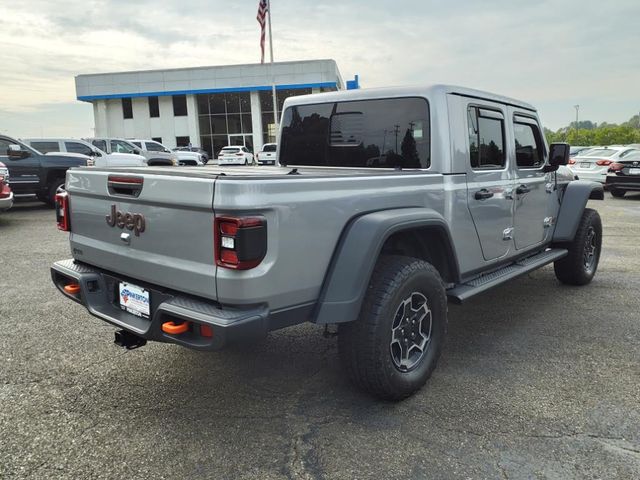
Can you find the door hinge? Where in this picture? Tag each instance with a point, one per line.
(548, 221)
(507, 233)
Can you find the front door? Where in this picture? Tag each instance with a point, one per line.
(531, 192)
(489, 178)
(23, 172)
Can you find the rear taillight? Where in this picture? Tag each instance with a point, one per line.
(240, 242)
(572, 161)
(62, 212)
(616, 167)
(603, 163)
(239, 154)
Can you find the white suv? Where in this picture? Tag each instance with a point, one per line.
(158, 156)
(184, 158)
(73, 146)
(235, 155)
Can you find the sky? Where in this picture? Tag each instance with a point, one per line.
(553, 54)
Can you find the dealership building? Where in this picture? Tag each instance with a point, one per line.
(206, 106)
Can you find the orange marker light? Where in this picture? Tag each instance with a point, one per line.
(173, 329)
(72, 288)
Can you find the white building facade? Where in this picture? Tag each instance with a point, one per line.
(208, 107)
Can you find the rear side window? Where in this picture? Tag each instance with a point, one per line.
(101, 144)
(529, 146)
(486, 139)
(46, 147)
(387, 133)
(76, 147)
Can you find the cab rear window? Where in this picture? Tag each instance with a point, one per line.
(381, 133)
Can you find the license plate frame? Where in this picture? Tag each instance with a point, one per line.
(585, 165)
(134, 299)
(634, 171)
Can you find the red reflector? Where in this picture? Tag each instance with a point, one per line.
(206, 331)
(228, 256)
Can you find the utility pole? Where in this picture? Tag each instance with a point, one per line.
(577, 107)
(396, 130)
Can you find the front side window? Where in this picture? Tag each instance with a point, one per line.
(529, 146)
(101, 144)
(76, 147)
(46, 147)
(118, 146)
(486, 139)
(154, 147)
(386, 133)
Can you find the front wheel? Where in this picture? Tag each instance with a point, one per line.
(57, 186)
(392, 348)
(580, 265)
(617, 193)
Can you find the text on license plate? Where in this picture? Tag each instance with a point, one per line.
(634, 171)
(134, 299)
(585, 165)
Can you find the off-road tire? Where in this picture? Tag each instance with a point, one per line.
(574, 269)
(52, 190)
(617, 193)
(364, 344)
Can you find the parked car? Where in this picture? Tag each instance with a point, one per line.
(155, 157)
(454, 210)
(576, 150)
(182, 158)
(235, 155)
(594, 164)
(6, 195)
(267, 156)
(31, 172)
(624, 175)
(201, 151)
(74, 146)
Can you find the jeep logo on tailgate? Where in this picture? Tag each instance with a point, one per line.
(130, 221)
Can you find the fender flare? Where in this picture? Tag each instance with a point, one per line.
(574, 200)
(352, 264)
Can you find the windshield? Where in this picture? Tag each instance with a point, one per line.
(269, 147)
(599, 152)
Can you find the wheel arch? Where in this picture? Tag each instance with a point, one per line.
(54, 174)
(574, 201)
(419, 232)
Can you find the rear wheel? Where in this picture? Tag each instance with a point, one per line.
(580, 265)
(617, 193)
(392, 348)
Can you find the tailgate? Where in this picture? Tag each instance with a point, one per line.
(152, 227)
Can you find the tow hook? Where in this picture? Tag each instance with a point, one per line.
(129, 340)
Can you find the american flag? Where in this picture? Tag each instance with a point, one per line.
(263, 7)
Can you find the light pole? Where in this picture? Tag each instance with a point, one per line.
(577, 107)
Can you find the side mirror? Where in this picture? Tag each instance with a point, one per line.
(558, 154)
(137, 151)
(15, 152)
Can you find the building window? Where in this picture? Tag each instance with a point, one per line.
(182, 141)
(127, 108)
(224, 119)
(157, 139)
(179, 105)
(269, 132)
(154, 108)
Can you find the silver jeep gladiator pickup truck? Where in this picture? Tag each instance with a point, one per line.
(386, 203)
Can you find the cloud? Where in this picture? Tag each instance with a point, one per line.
(554, 54)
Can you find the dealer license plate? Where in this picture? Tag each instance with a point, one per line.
(134, 299)
(585, 165)
(634, 171)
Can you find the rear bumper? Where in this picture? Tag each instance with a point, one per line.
(624, 182)
(98, 293)
(6, 203)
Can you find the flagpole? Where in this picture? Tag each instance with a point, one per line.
(273, 80)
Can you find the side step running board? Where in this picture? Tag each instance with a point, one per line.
(464, 291)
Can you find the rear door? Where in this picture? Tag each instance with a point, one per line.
(531, 192)
(150, 227)
(489, 177)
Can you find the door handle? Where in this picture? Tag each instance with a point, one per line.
(483, 194)
(522, 189)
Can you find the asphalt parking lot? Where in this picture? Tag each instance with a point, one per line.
(537, 380)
